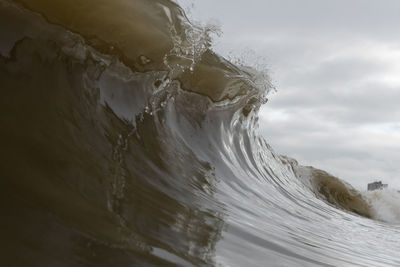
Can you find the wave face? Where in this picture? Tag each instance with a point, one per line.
(126, 141)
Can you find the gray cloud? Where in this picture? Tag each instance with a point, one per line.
(367, 106)
(340, 17)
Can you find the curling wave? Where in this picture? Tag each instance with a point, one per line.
(126, 141)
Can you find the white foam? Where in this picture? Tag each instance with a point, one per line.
(385, 204)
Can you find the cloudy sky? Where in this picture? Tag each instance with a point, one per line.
(336, 67)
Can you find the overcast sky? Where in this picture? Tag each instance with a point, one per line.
(336, 67)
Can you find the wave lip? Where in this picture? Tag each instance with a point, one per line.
(150, 35)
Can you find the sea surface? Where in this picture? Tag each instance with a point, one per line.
(126, 141)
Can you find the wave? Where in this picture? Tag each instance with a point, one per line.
(333, 190)
(127, 141)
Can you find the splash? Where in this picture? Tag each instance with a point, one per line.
(385, 204)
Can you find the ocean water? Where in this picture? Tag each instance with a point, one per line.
(126, 141)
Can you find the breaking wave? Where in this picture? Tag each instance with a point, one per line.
(385, 205)
(127, 141)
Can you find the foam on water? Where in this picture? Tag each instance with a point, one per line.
(385, 204)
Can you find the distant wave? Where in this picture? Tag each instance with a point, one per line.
(333, 190)
(126, 141)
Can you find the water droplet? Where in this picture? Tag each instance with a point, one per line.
(144, 60)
